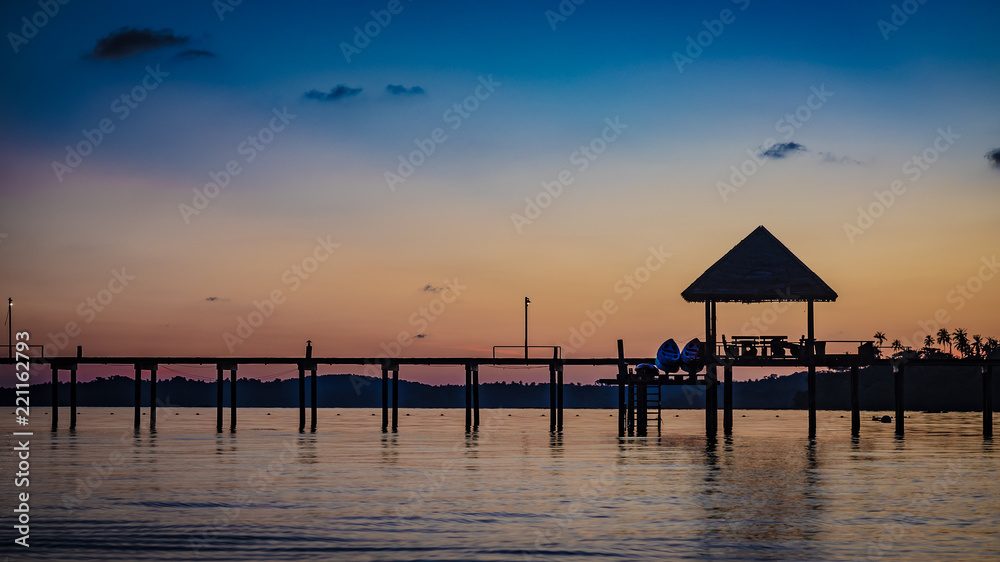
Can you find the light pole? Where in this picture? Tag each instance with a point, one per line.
(527, 301)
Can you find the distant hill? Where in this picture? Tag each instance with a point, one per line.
(926, 388)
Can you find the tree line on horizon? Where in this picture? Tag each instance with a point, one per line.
(975, 347)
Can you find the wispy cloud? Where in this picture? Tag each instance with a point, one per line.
(831, 158)
(216, 299)
(341, 91)
(428, 288)
(782, 150)
(994, 158)
(400, 90)
(420, 336)
(194, 54)
(129, 41)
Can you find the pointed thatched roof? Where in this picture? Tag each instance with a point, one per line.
(759, 269)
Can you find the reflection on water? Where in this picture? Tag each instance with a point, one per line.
(512, 489)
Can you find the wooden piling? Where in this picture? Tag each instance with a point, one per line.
(552, 397)
(315, 399)
(475, 396)
(897, 372)
(72, 397)
(711, 373)
(987, 402)
(138, 396)
(727, 399)
(152, 397)
(811, 355)
(385, 398)
(468, 397)
(559, 398)
(55, 397)
(641, 412)
(232, 399)
(218, 398)
(630, 408)
(302, 397)
(855, 403)
(395, 398)
(622, 375)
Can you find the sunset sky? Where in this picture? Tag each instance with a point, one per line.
(377, 170)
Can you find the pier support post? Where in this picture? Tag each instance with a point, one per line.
(559, 398)
(727, 399)
(475, 396)
(855, 403)
(395, 398)
(641, 412)
(897, 373)
(218, 398)
(622, 377)
(711, 374)
(552, 397)
(811, 377)
(315, 399)
(385, 397)
(55, 397)
(630, 408)
(232, 399)
(302, 397)
(988, 402)
(138, 396)
(468, 397)
(72, 397)
(152, 398)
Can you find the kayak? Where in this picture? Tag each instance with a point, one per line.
(668, 357)
(691, 360)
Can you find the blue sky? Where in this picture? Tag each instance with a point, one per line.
(324, 174)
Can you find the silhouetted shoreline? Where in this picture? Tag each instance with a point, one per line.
(927, 388)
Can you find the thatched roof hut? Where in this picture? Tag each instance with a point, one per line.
(759, 269)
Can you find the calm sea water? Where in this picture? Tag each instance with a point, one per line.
(511, 491)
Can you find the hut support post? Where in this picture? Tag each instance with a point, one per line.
(811, 355)
(55, 397)
(475, 396)
(897, 374)
(988, 402)
(711, 373)
(727, 399)
(138, 386)
(218, 398)
(152, 397)
(855, 403)
(385, 398)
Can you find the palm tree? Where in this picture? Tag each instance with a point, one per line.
(880, 338)
(897, 345)
(977, 345)
(991, 345)
(943, 337)
(961, 339)
(928, 345)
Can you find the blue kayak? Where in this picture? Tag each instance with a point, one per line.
(668, 357)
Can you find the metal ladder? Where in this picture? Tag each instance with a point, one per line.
(653, 405)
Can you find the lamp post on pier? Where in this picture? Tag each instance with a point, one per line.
(527, 301)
